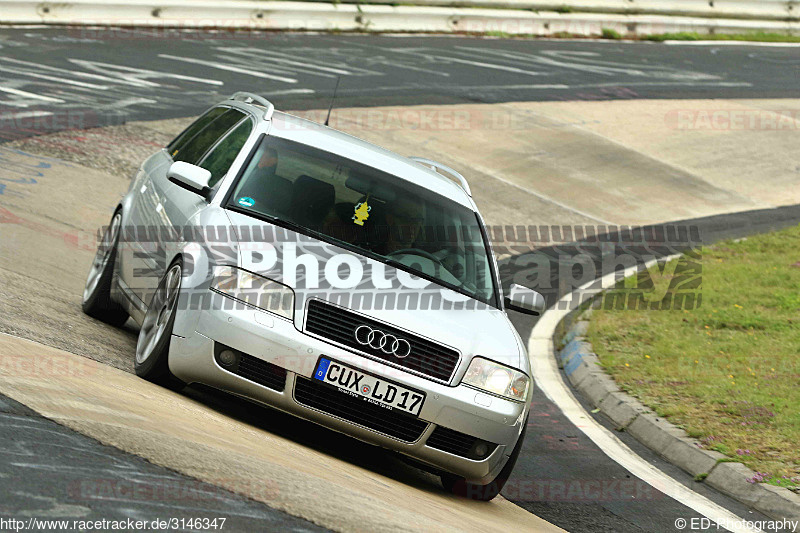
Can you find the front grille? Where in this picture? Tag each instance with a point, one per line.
(338, 324)
(457, 443)
(312, 393)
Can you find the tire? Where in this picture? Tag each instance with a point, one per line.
(473, 491)
(152, 347)
(97, 302)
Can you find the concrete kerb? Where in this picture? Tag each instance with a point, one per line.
(582, 368)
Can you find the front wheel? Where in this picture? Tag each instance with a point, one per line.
(152, 348)
(97, 301)
(461, 487)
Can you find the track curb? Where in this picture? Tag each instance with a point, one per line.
(582, 368)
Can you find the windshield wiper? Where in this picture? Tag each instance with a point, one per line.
(278, 221)
(402, 266)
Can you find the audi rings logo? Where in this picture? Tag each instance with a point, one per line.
(378, 340)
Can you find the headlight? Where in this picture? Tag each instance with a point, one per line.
(497, 379)
(254, 290)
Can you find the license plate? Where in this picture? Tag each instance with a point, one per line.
(369, 388)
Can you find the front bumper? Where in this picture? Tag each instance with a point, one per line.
(280, 343)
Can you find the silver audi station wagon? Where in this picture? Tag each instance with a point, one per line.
(310, 271)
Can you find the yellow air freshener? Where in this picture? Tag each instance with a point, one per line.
(362, 213)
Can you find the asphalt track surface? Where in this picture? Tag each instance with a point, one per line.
(125, 77)
(52, 473)
(78, 78)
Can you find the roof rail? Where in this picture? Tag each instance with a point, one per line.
(451, 174)
(249, 98)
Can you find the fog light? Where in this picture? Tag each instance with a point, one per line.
(228, 357)
(481, 449)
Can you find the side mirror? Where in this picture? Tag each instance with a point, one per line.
(190, 177)
(525, 300)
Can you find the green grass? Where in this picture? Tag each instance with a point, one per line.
(608, 33)
(728, 371)
(760, 36)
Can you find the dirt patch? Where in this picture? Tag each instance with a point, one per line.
(118, 150)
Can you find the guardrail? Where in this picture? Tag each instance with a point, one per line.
(318, 16)
(744, 9)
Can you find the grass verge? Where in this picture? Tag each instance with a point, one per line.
(763, 37)
(608, 33)
(728, 371)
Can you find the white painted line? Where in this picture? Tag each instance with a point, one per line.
(668, 83)
(548, 377)
(65, 72)
(395, 88)
(138, 76)
(127, 102)
(31, 95)
(538, 86)
(480, 64)
(52, 78)
(285, 59)
(25, 114)
(524, 87)
(273, 68)
(416, 69)
(289, 91)
(13, 104)
(229, 68)
(731, 43)
(591, 62)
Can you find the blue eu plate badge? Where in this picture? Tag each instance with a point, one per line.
(322, 369)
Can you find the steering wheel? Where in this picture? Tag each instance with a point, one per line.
(417, 251)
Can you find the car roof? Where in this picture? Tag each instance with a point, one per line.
(297, 129)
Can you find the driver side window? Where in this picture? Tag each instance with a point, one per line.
(193, 150)
(179, 142)
(219, 160)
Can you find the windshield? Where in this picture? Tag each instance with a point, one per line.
(366, 210)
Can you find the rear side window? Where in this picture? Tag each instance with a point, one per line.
(219, 160)
(196, 147)
(194, 128)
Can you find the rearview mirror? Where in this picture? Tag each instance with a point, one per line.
(190, 177)
(525, 300)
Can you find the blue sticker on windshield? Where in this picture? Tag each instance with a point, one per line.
(246, 201)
